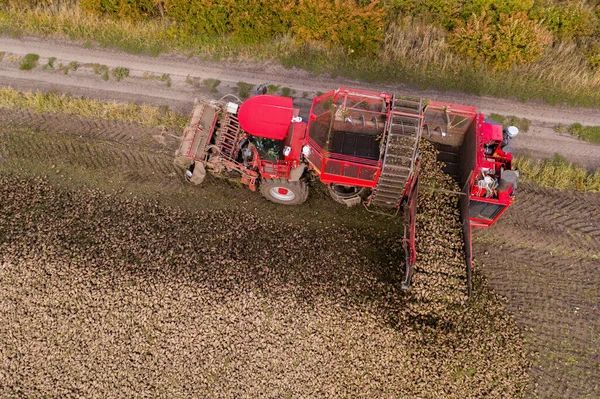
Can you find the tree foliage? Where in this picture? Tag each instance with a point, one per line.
(513, 39)
(566, 20)
(357, 26)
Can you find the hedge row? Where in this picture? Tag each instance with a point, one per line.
(355, 26)
(500, 33)
(503, 33)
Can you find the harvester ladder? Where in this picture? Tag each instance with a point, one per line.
(401, 145)
(227, 137)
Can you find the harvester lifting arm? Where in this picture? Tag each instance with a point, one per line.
(410, 213)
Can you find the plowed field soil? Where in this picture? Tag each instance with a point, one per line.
(116, 279)
(330, 316)
(544, 256)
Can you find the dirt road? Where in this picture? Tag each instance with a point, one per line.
(144, 85)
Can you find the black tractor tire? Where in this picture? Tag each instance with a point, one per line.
(285, 192)
(341, 194)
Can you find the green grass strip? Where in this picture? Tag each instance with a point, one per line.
(587, 133)
(54, 102)
(558, 173)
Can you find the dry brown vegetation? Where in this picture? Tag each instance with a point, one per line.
(112, 296)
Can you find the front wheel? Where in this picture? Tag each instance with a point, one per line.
(282, 191)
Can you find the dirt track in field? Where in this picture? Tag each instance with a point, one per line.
(144, 86)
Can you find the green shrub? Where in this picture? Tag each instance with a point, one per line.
(208, 17)
(244, 89)
(254, 21)
(587, 133)
(212, 84)
(165, 77)
(358, 30)
(286, 92)
(494, 8)
(194, 81)
(449, 13)
(511, 41)
(99, 69)
(70, 67)
(566, 20)
(445, 12)
(50, 64)
(120, 73)
(135, 10)
(29, 62)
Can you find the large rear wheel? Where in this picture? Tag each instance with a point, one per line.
(282, 191)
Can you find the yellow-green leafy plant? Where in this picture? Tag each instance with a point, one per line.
(512, 40)
(566, 20)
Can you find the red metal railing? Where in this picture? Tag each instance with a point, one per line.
(343, 169)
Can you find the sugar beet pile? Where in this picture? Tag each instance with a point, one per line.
(104, 296)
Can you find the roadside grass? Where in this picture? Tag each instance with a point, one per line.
(212, 84)
(54, 102)
(70, 67)
(120, 73)
(558, 173)
(413, 52)
(244, 89)
(521, 123)
(29, 62)
(587, 133)
(50, 63)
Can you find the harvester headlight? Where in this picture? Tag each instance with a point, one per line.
(286, 150)
(306, 151)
